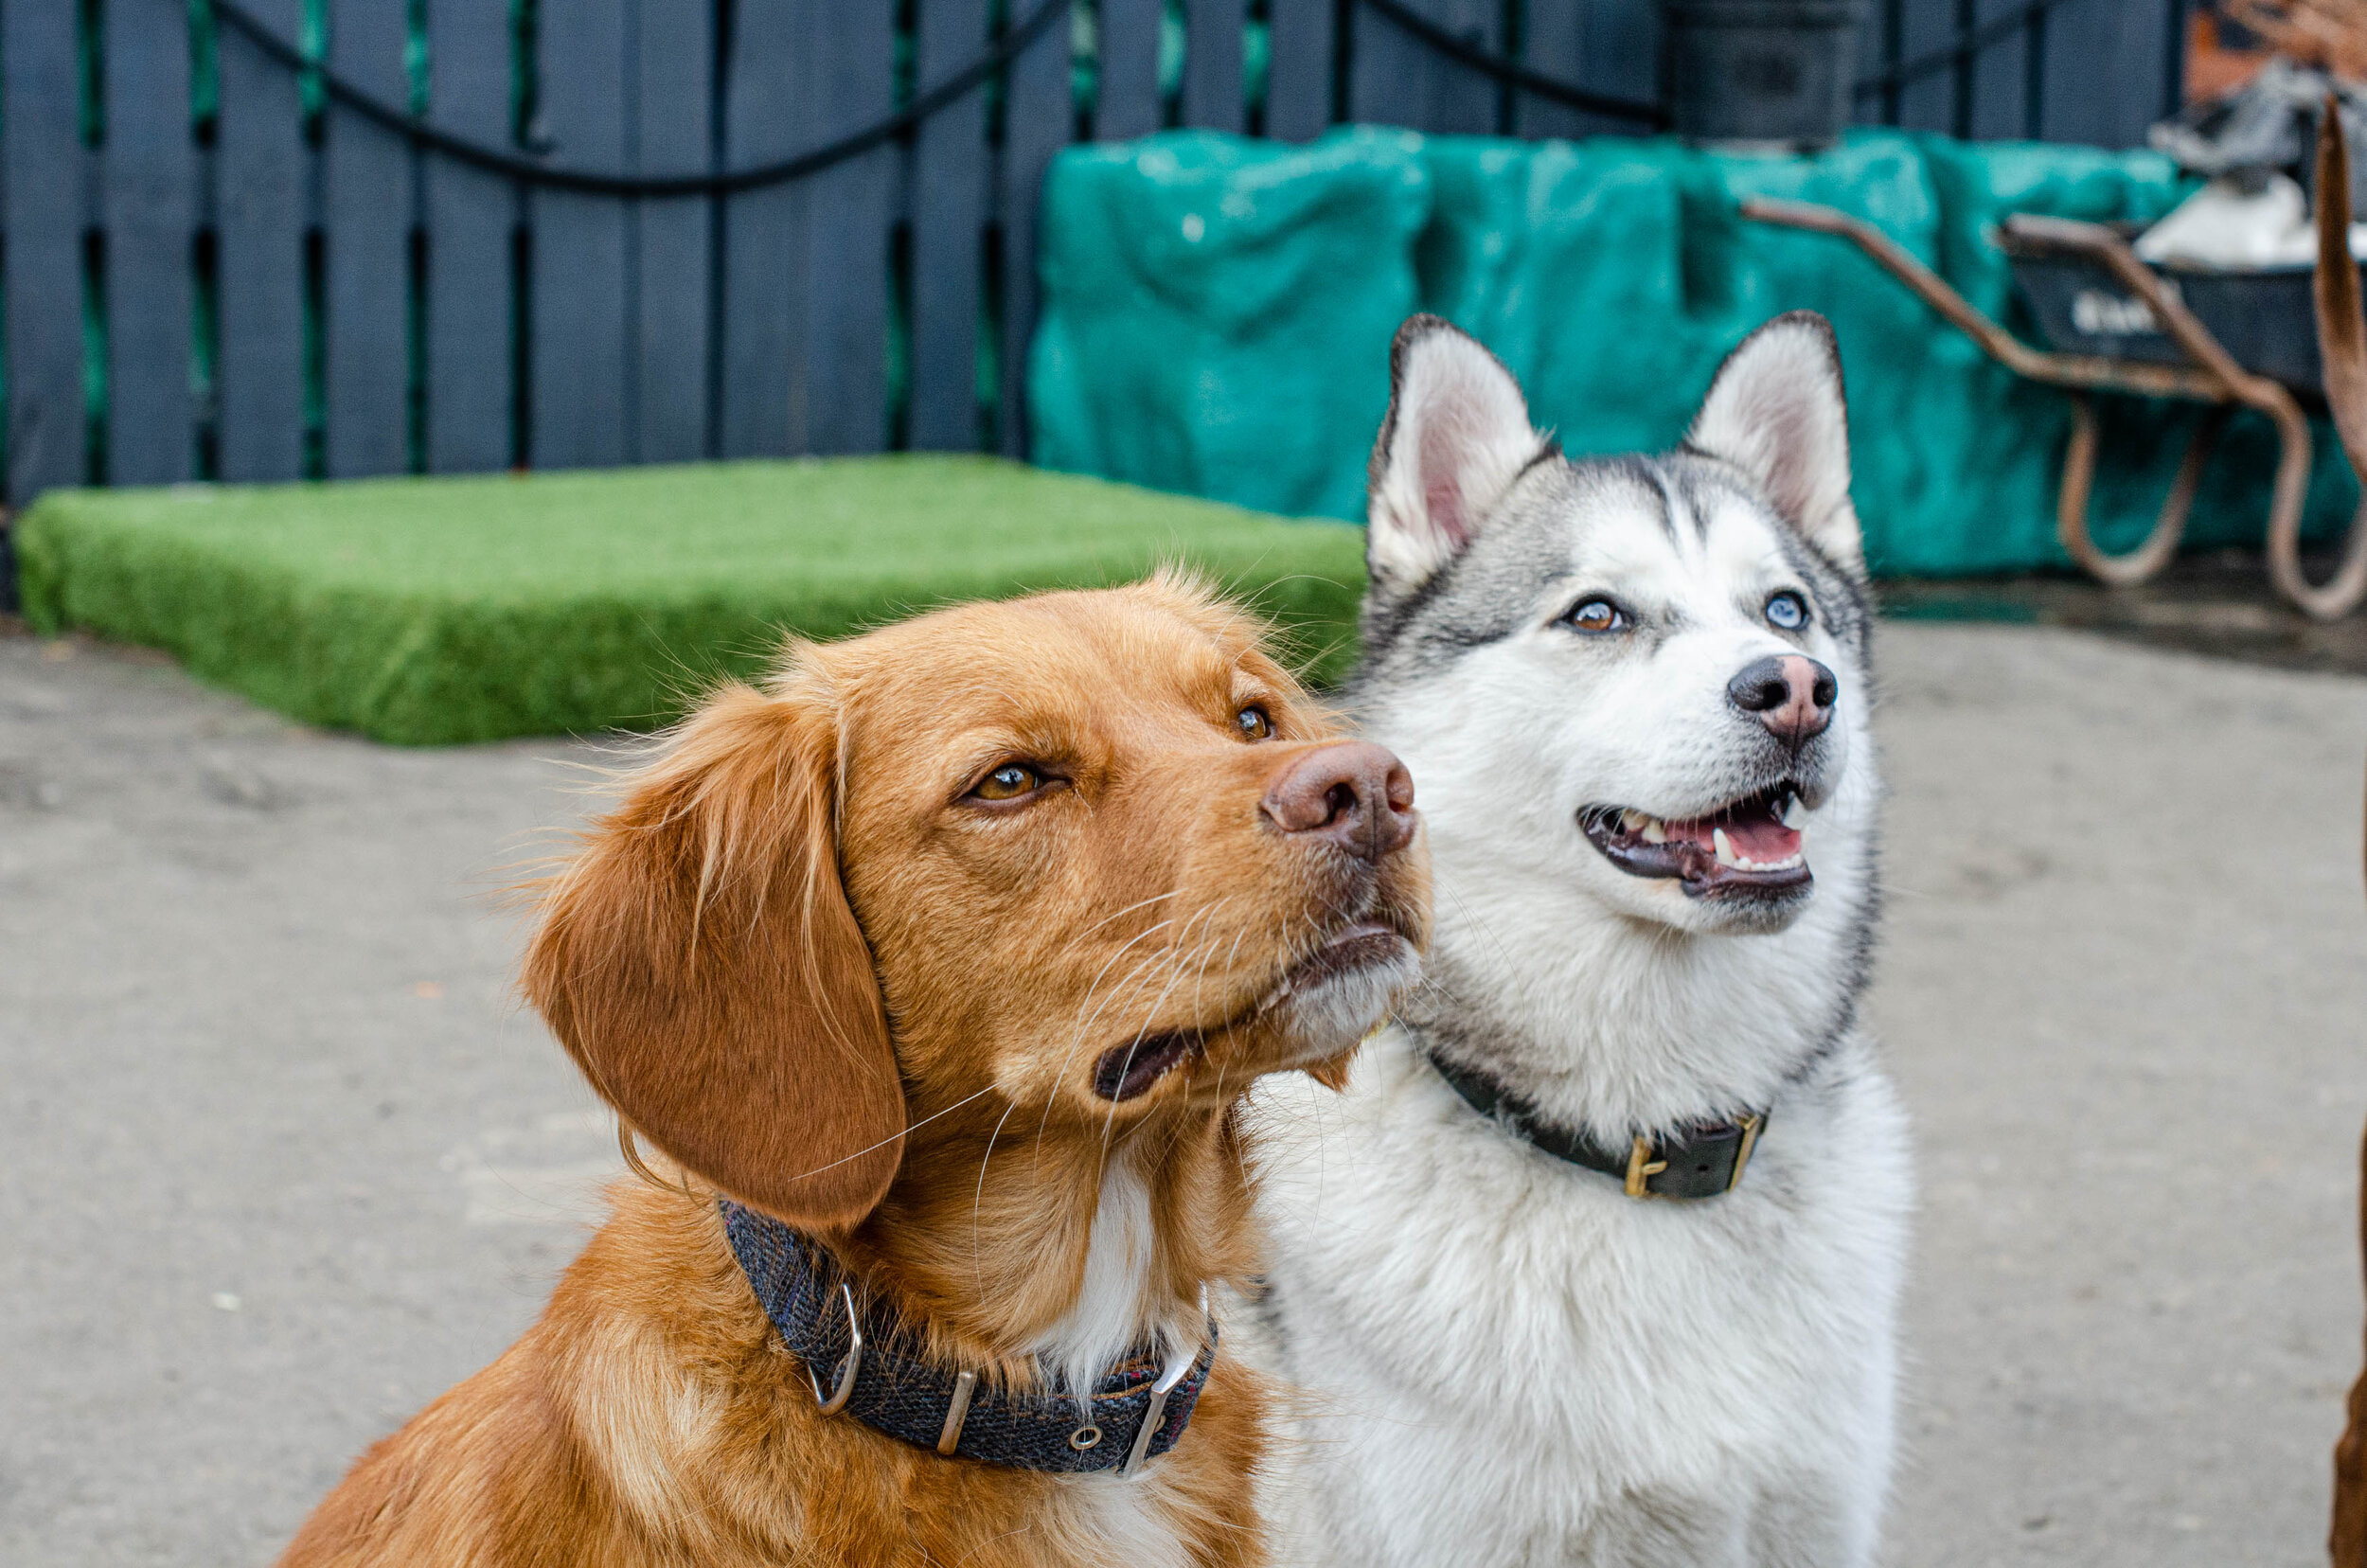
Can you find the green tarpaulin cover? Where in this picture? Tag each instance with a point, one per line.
(1217, 312)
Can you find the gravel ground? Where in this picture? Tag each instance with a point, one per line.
(284, 1161)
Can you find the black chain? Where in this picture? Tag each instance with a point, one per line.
(528, 172)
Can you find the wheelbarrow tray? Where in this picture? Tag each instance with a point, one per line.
(2264, 318)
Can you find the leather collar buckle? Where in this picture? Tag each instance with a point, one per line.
(1646, 1160)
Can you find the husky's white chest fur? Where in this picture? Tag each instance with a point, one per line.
(1632, 695)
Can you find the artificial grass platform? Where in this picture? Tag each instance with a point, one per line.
(431, 611)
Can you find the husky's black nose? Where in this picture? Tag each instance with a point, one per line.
(1792, 695)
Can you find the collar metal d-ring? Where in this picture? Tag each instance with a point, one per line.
(1177, 1366)
(836, 1399)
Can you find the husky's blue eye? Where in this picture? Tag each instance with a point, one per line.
(1786, 611)
(1595, 617)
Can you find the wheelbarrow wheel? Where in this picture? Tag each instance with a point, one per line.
(2079, 470)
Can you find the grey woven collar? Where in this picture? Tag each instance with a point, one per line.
(1699, 1160)
(863, 1366)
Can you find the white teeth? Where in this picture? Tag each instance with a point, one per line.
(1725, 849)
(1633, 820)
(1796, 814)
(1654, 830)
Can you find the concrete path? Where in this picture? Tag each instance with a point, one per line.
(279, 1160)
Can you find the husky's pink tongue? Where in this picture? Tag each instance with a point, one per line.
(1758, 838)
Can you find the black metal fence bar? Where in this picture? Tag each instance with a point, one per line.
(257, 240)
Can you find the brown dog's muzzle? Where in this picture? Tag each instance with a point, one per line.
(1355, 795)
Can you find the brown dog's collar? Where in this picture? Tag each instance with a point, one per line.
(1138, 1412)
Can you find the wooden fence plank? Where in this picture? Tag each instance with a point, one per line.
(838, 386)
(1298, 68)
(578, 289)
(1609, 46)
(2104, 71)
(262, 169)
(1128, 104)
(949, 209)
(1998, 78)
(1396, 79)
(668, 274)
(1038, 125)
(1930, 102)
(470, 219)
(150, 168)
(46, 168)
(765, 230)
(367, 198)
(1212, 63)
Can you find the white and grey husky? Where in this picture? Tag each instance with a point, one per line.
(1596, 1260)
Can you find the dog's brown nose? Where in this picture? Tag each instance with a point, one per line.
(1354, 793)
(1793, 695)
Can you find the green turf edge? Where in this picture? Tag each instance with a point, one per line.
(428, 668)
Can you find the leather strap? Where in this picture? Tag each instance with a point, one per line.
(1699, 1160)
(897, 1392)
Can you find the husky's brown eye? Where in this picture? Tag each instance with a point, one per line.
(1595, 617)
(1255, 723)
(1008, 782)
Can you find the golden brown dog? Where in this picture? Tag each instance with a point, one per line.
(954, 948)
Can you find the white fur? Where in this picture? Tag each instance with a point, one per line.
(1113, 1313)
(1505, 1360)
(1776, 412)
(1461, 436)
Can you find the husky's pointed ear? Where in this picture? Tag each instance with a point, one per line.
(1456, 437)
(1776, 412)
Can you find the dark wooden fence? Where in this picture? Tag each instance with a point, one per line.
(281, 238)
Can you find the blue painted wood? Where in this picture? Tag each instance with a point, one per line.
(261, 169)
(579, 241)
(45, 173)
(1609, 47)
(1298, 69)
(765, 232)
(367, 197)
(1929, 103)
(1998, 80)
(2104, 70)
(1212, 63)
(838, 386)
(948, 211)
(469, 218)
(149, 186)
(1128, 105)
(1395, 80)
(1039, 124)
(672, 75)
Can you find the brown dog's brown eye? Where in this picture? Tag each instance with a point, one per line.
(1008, 782)
(1255, 724)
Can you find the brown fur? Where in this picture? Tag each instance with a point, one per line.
(805, 966)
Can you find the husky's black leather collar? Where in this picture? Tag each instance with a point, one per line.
(1696, 1160)
(892, 1390)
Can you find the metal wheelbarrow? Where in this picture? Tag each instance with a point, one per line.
(2208, 374)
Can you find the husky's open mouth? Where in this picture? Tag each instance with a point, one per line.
(1747, 848)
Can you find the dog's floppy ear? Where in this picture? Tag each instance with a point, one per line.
(1776, 411)
(1456, 437)
(701, 963)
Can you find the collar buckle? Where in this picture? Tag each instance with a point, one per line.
(836, 1399)
(1641, 1167)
